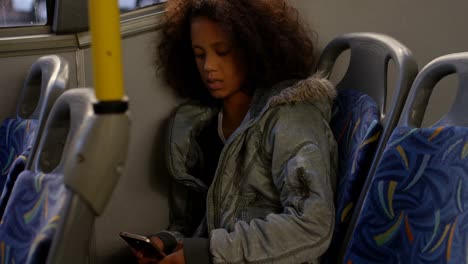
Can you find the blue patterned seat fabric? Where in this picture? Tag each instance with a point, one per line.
(31, 217)
(416, 209)
(18, 166)
(16, 136)
(356, 126)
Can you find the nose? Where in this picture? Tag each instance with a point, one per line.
(210, 63)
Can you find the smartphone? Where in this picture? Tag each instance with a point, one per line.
(143, 244)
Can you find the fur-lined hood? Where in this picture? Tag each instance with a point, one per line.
(315, 89)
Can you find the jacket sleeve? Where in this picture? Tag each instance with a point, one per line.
(176, 230)
(302, 152)
(185, 202)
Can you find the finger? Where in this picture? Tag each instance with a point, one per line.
(157, 242)
(179, 246)
(148, 261)
(137, 254)
(166, 260)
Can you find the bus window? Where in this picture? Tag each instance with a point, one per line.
(17, 13)
(129, 5)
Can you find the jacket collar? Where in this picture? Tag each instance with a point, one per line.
(315, 89)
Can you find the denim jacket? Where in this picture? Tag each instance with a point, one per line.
(271, 199)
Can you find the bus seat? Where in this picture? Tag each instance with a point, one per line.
(46, 80)
(360, 122)
(416, 210)
(31, 216)
(50, 215)
(357, 128)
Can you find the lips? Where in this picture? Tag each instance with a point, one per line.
(215, 84)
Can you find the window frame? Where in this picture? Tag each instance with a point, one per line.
(28, 40)
(132, 23)
(71, 16)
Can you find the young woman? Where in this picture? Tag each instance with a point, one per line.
(252, 157)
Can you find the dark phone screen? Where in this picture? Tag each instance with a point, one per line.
(143, 245)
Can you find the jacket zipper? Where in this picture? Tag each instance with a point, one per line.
(214, 190)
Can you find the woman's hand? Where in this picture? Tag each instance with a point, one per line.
(177, 256)
(141, 259)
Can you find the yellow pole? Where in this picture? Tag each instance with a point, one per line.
(104, 17)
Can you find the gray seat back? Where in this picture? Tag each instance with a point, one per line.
(424, 84)
(65, 119)
(47, 79)
(45, 82)
(368, 68)
(368, 71)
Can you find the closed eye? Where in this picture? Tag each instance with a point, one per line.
(222, 54)
(199, 56)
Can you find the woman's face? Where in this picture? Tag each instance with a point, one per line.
(220, 65)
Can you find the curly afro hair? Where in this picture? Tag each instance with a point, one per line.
(270, 34)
